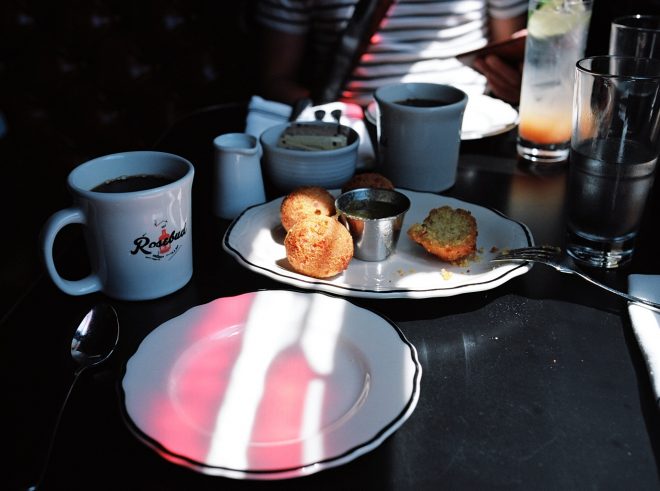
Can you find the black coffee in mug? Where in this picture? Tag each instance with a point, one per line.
(128, 184)
(417, 102)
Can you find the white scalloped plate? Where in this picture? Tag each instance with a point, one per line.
(484, 116)
(270, 385)
(256, 240)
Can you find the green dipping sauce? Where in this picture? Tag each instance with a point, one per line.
(371, 210)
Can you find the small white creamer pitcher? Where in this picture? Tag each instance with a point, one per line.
(237, 178)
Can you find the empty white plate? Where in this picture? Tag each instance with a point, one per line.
(270, 385)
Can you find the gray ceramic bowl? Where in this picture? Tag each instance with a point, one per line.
(288, 169)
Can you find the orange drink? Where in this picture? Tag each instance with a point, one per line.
(556, 38)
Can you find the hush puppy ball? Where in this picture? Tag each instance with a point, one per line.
(448, 233)
(319, 246)
(306, 201)
(367, 180)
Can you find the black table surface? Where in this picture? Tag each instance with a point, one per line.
(536, 384)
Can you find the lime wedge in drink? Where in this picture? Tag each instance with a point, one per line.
(556, 17)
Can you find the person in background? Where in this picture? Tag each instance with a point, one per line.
(417, 41)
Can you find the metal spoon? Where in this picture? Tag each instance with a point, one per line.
(93, 342)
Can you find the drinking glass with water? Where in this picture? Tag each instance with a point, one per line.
(614, 150)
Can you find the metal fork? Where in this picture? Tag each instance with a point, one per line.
(562, 262)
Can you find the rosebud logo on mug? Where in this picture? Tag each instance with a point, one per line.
(135, 208)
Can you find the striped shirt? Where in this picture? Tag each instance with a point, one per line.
(417, 40)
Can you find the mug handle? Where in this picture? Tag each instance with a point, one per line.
(53, 225)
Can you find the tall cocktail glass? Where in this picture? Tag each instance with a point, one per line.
(614, 150)
(556, 38)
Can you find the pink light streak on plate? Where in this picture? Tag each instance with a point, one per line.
(215, 410)
(197, 389)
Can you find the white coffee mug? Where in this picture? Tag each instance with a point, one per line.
(135, 209)
(237, 178)
(419, 134)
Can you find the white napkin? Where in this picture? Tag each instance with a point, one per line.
(646, 324)
(262, 114)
